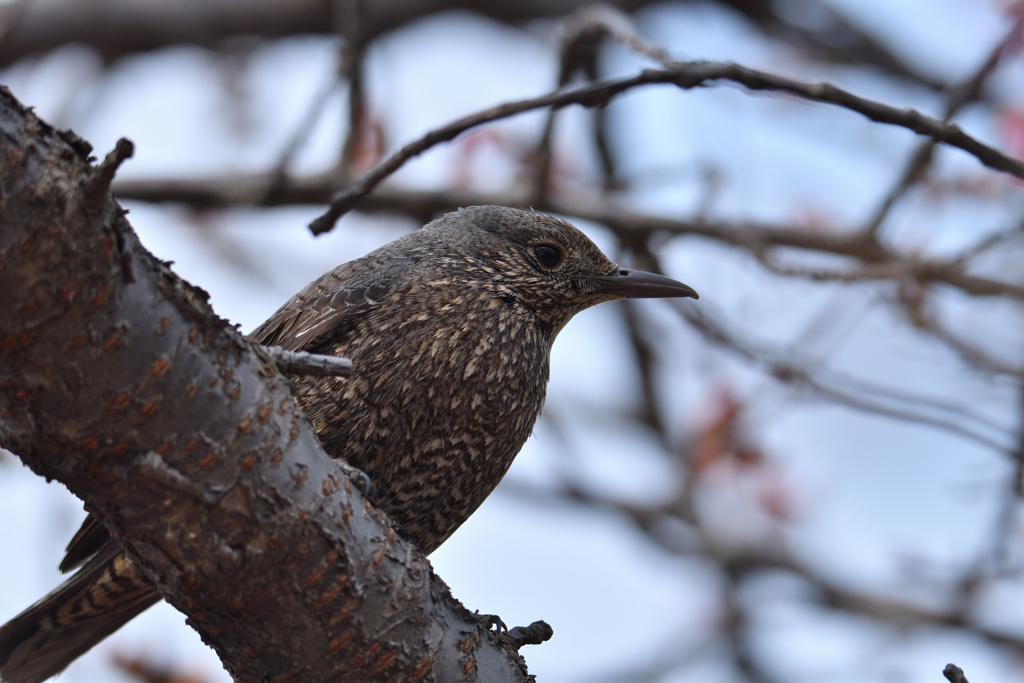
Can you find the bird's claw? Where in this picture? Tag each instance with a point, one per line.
(364, 484)
(492, 621)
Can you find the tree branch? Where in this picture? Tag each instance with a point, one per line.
(115, 28)
(629, 226)
(117, 379)
(957, 98)
(750, 561)
(311, 364)
(687, 76)
(848, 391)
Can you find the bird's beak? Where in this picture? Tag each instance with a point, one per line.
(637, 284)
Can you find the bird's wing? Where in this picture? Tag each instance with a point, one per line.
(89, 539)
(324, 307)
(311, 316)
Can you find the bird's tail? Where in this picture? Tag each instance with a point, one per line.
(100, 598)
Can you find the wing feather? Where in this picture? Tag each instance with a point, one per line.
(333, 301)
(312, 316)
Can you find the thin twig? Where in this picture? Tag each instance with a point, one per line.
(993, 240)
(926, 321)
(630, 227)
(753, 560)
(96, 191)
(645, 360)
(919, 269)
(582, 36)
(352, 70)
(308, 364)
(687, 76)
(959, 96)
(12, 16)
(848, 391)
(279, 176)
(1003, 536)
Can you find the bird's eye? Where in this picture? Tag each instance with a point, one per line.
(548, 255)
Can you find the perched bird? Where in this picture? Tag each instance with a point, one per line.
(450, 331)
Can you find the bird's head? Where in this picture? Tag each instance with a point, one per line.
(543, 263)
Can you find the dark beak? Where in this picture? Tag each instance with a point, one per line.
(637, 284)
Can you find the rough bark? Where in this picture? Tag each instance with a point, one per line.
(117, 379)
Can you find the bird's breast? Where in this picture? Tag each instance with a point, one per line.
(436, 409)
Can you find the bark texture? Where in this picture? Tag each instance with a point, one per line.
(117, 379)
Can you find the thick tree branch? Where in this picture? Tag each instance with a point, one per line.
(118, 380)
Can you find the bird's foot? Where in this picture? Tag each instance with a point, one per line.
(492, 621)
(363, 483)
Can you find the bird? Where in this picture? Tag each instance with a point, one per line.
(450, 330)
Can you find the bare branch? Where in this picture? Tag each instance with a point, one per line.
(906, 266)
(616, 24)
(687, 76)
(958, 96)
(914, 300)
(990, 242)
(745, 562)
(118, 27)
(311, 364)
(279, 176)
(853, 393)
(352, 70)
(631, 227)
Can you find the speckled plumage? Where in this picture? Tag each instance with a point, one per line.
(450, 331)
